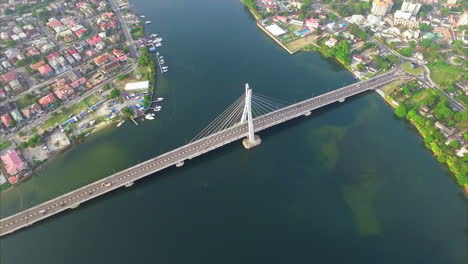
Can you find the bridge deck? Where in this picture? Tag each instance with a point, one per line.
(189, 151)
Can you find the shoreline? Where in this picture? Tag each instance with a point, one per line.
(95, 129)
(379, 91)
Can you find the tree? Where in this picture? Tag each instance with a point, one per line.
(392, 58)
(426, 43)
(401, 111)
(361, 67)
(406, 51)
(412, 44)
(426, 27)
(115, 93)
(7, 11)
(127, 111)
(454, 144)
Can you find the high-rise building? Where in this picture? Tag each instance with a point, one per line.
(381, 7)
(463, 21)
(411, 6)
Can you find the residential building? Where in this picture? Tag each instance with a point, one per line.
(411, 6)
(12, 162)
(47, 100)
(6, 120)
(381, 7)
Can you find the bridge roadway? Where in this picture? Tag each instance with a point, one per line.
(177, 156)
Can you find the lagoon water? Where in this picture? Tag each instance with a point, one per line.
(349, 184)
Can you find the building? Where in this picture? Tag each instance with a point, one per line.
(463, 21)
(137, 86)
(405, 19)
(12, 162)
(6, 120)
(381, 7)
(411, 6)
(47, 100)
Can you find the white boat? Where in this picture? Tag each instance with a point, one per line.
(165, 67)
(142, 16)
(161, 61)
(157, 109)
(158, 39)
(165, 70)
(161, 57)
(159, 99)
(149, 117)
(158, 44)
(148, 22)
(157, 53)
(120, 123)
(153, 35)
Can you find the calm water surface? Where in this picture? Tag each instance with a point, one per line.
(350, 184)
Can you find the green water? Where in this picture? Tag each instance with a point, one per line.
(350, 184)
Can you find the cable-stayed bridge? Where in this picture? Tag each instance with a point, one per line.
(249, 114)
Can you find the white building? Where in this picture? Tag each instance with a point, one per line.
(137, 86)
(411, 6)
(381, 7)
(405, 19)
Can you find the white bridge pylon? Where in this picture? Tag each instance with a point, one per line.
(252, 140)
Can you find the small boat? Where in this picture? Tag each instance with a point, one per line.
(153, 35)
(165, 70)
(157, 109)
(161, 57)
(142, 16)
(120, 123)
(165, 67)
(158, 39)
(148, 22)
(162, 61)
(157, 53)
(159, 99)
(149, 117)
(158, 44)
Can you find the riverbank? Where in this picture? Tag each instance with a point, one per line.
(340, 50)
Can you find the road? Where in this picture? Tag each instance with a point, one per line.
(123, 25)
(177, 156)
(46, 116)
(426, 78)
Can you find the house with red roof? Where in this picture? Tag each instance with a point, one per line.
(9, 76)
(45, 70)
(32, 52)
(52, 56)
(47, 100)
(94, 40)
(12, 162)
(6, 119)
(101, 59)
(63, 91)
(90, 53)
(80, 32)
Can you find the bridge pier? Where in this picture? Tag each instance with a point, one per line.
(180, 164)
(308, 113)
(248, 144)
(341, 100)
(129, 184)
(74, 206)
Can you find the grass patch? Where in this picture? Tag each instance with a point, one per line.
(296, 45)
(92, 99)
(389, 88)
(419, 96)
(5, 145)
(5, 186)
(64, 115)
(408, 67)
(445, 74)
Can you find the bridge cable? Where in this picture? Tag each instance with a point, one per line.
(218, 120)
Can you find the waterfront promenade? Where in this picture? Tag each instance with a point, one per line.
(180, 155)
